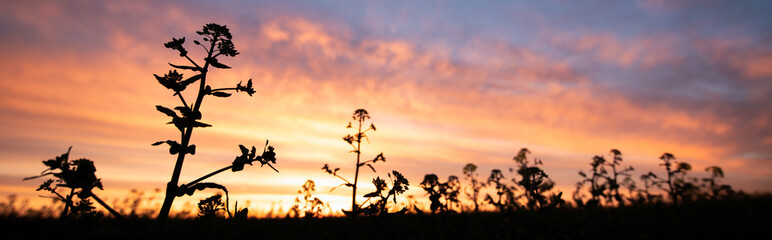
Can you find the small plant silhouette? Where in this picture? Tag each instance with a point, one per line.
(535, 182)
(677, 186)
(310, 207)
(613, 180)
(443, 196)
(210, 208)
(604, 184)
(398, 186)
(79, 176)
(475, 185)
(360, 115)
(505, 200)
(649, 181)
(597, 186)
(217, 43)
(713, 189)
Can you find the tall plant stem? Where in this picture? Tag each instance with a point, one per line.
(171, 187)
(356, 172)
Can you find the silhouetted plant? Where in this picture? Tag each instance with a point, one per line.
(613, 182)
(535, 183)
(240, 214)
(602, 183)
(714, 190)
(443, 196)
(217, 43)
(451, 193)
(310, 207)
(631, 187)
(676, 186)
(79, 177)
(431, 184)
(597, 186)
(360, 115)
(398, 186)
(650, 181)
(505, 200)
(686, 188)
(210, 208)
(475, 185)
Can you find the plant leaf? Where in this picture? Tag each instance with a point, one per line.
(244, 150)
(217, 64)
(200, 124)
(221, 94)
(185, 67)
(372, 194)
(166, 111)
(191, 80)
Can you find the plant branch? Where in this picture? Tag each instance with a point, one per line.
(208, 176)
(109, 209)
(193, 62)
(182, 99)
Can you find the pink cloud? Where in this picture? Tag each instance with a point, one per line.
(646, 51)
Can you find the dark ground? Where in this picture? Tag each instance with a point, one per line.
(736, 219)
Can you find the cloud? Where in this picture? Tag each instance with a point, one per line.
(642, 51)
(749, 59)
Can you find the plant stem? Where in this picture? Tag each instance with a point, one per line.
(356, 173)
(182, 99)
(67, 204)
(109, 209)
(171, 187)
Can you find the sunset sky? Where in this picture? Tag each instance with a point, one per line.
(445, 82)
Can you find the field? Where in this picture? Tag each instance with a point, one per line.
(735, 219)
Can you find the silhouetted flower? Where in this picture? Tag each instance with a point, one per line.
(176, 44)
(171, 81)
(349, 139)
(379, 183)
(225, 47)
(215, 31)
(248, 88)
(360, 115)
